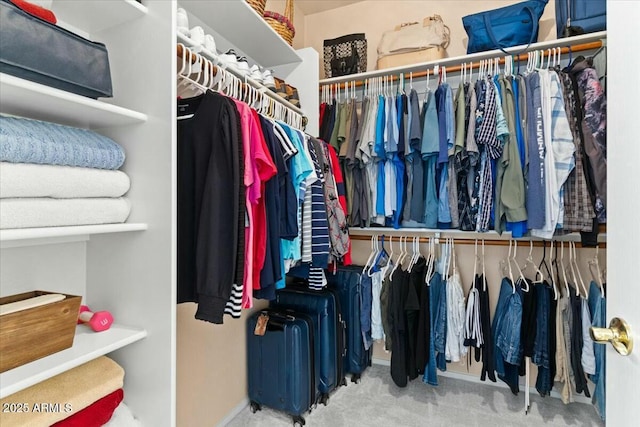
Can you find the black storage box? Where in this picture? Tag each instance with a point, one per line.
(36, 50)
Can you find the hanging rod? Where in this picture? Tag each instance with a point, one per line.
(490, 238)
(244, 79)
(580, 43)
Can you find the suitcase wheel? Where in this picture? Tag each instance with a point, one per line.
(298, 421)
(254, 407)
(324, 399)
(355, 378)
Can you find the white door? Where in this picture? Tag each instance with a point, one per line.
(623, 228)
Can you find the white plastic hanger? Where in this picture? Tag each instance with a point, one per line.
(575, 262)
(475, 264)
(484, 277)
(515, 262)
(399, 260)
(374, 243)
(553, 279)
(598, 277)
(564, 273)
(430, 259)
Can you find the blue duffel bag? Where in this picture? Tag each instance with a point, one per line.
(505, 27)
(580, 16)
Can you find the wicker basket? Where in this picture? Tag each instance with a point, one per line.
(283, 24)
(258, 5)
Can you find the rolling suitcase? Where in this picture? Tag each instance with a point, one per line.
(280, 361)
(324, 309)
(347, 283)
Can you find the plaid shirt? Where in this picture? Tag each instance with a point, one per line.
(578, 206)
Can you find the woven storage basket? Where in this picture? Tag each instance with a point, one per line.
(283, 24)
(258, 5)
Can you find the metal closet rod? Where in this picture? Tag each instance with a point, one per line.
(487, 242)
(194, 58)
(455, 68)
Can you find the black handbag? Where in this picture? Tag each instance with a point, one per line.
(36, 50)
(345, 55)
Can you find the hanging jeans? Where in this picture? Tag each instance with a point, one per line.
(506, 329)
(598, 305)
(435, 289)
(365, 309)
(543, 353)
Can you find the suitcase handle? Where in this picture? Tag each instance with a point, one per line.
(344, 335)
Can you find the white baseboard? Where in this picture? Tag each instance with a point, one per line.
(234, 412)
(475, 379)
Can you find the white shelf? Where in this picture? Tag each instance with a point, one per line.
(474, 57)
(25, 98)
(44, 235)
(97, 15)
(239, 24)
(236, 72)
(87, 345)
(459, 234)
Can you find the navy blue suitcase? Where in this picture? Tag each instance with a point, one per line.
(324, 309)
(347, 282)
(281, 363)
(589, 15)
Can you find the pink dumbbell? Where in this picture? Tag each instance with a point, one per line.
(98, 321)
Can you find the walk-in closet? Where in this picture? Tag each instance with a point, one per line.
(281, 212)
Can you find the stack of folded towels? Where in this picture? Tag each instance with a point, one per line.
(54, 175)
(85, 396)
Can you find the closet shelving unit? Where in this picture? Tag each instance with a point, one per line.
(234, 25)
(585, 42)
(87, 346)
(234, 71)
(241, 28)
(128, 269)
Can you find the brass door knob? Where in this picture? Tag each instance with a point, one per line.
(618, 334)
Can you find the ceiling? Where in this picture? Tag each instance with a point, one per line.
(310, 7)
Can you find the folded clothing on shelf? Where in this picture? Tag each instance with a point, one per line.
(46, 212)
(73, 390)
(60, 182)
(34, 141)
(123, 417)
(95, 415)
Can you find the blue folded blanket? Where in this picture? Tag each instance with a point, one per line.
(33, 141)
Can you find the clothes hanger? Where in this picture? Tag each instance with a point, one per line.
(427, 277)
(573, 271)
(598, 277)
(515, 262)
(564, 268)
(374, 242)
(513, 283)
(553, 278)
(544, 262)
(475, 264)
(381, 253)
(398, 261)
(503, 262)
(539, 277)
(575, 261)
(484, 277)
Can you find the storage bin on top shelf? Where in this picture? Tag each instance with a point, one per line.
(38, 50)
(33, 333)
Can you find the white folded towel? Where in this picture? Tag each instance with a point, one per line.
(61, 182)
(26, 213)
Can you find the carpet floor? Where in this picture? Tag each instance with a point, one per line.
(377, 401)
